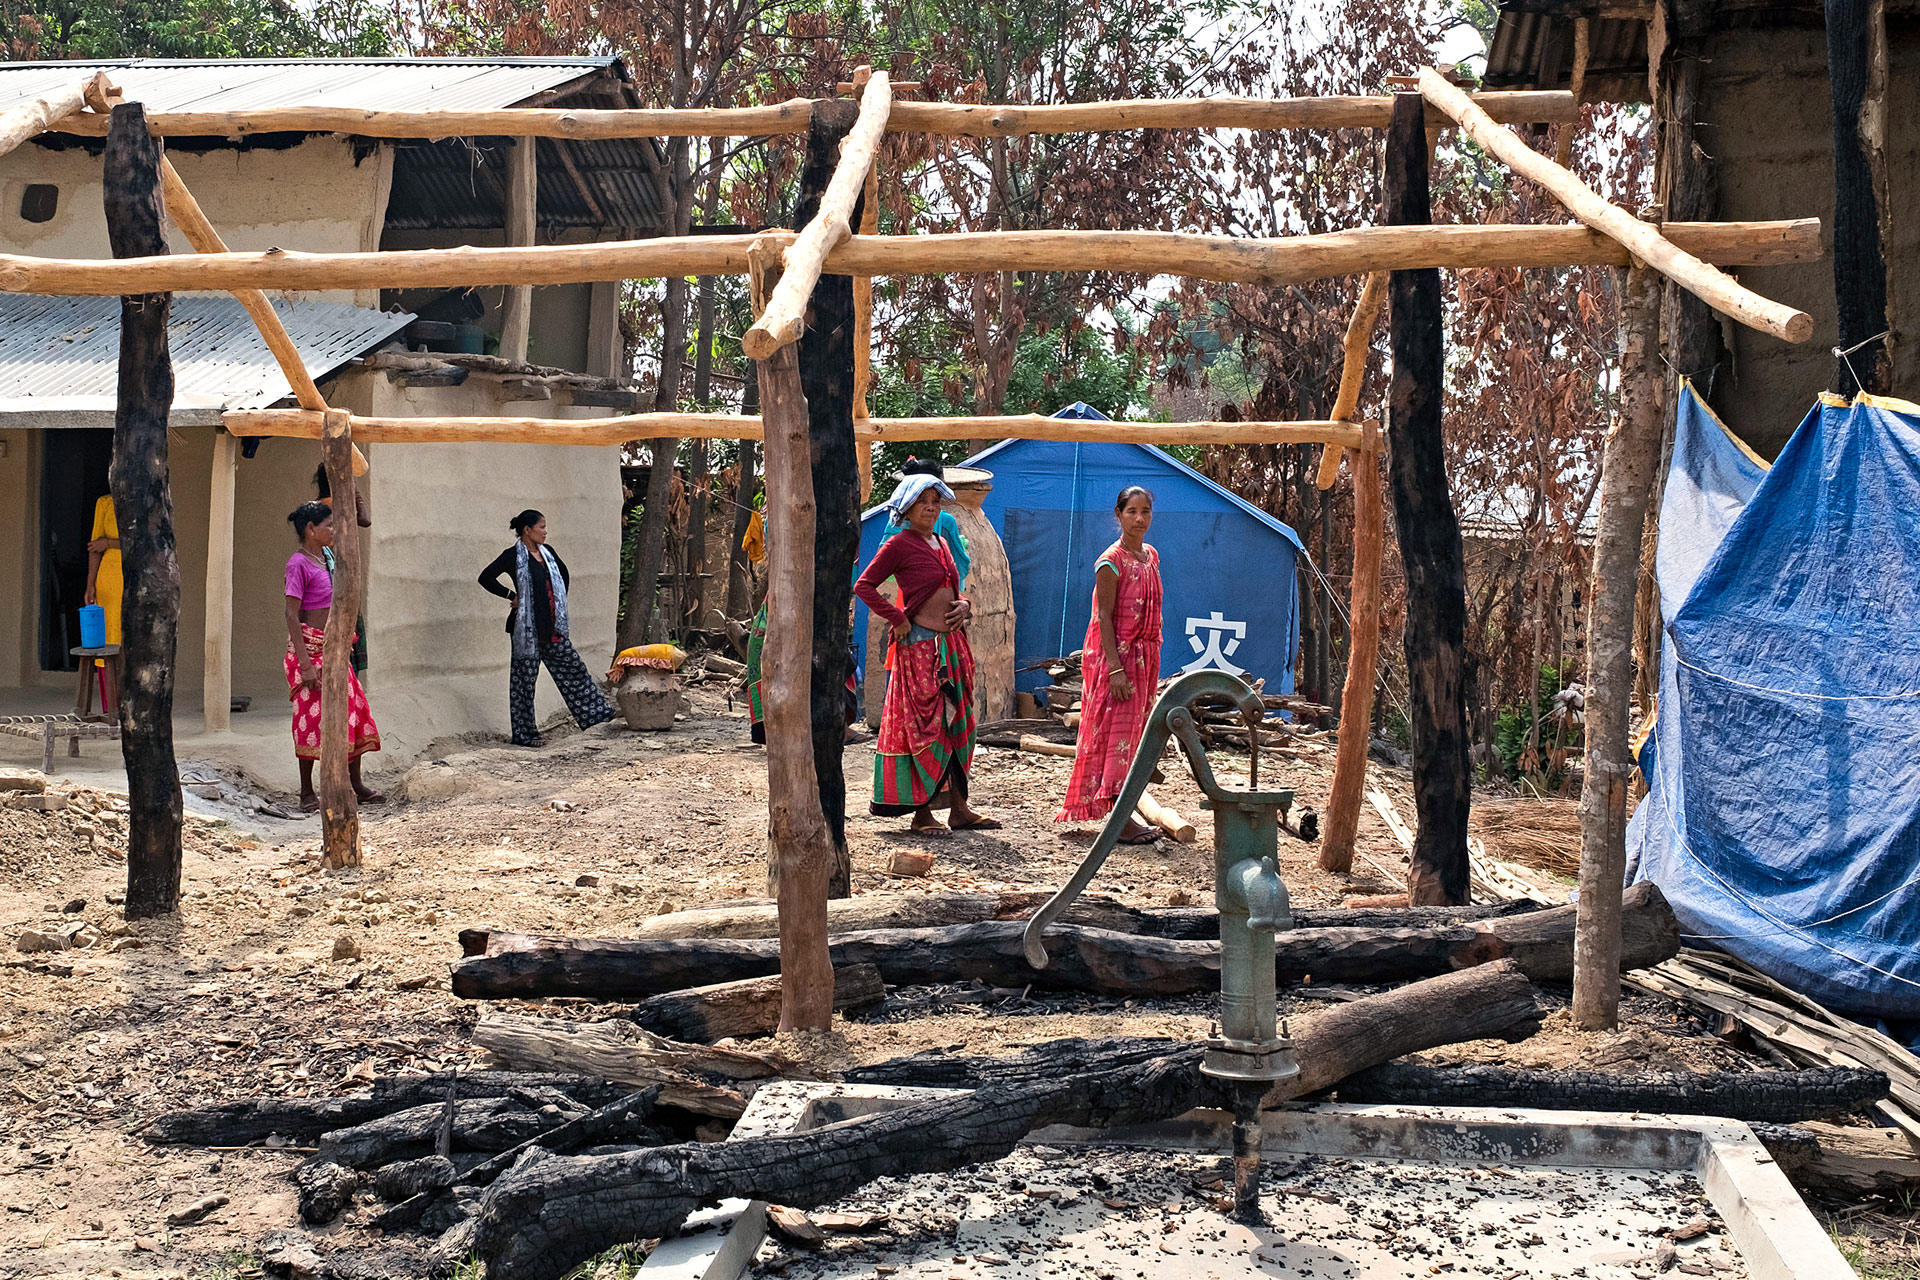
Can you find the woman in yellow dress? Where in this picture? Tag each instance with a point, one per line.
(103, 566)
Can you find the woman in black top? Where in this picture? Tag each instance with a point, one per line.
(539, 578)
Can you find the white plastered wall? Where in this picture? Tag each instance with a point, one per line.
(313, 197)
(437, 644)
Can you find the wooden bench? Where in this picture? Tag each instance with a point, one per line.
(49, 728)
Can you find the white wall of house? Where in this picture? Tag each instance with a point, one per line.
(315, 197)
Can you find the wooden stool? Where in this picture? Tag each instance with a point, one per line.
(109, 681)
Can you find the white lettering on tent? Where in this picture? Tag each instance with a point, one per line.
(1222, 639)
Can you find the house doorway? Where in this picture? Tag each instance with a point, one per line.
(73, 476)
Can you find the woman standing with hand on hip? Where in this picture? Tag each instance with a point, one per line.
(538, 625)
(309, 601)
(925, 752)
(1120, 666)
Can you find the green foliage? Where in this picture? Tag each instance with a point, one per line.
(1511, 724)
(629, 548)
(53, 30)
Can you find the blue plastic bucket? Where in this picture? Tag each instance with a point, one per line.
(93, 626)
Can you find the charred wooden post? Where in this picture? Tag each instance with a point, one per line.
(1856, 64)
(802, 853)
(339, 806)
(143, 504)
(1626, 480)
(827, 376)
(1429, 535)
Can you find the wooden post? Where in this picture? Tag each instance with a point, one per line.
(1626, 478)
(869, 224)
(1854, 29)
(339, 807)
(1563, 145)
(143, 502)
(1363, 654)
(802, 852)
(516, 310)
(216, 697)
(25, 119)
(739, 574)
(828, 356)
(1429, 534)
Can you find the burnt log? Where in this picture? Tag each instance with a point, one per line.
(539, 1222)
(479, 1124)
(237, 1124)
(1094, 960)
(405, 1179)
(1429, 535)
(325, 1187)
(623, 1121)
(1097, 911)
(1776, 1097)
(702, 1015)
(143, 506)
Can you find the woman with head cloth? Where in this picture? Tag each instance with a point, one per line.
(1120, 666)
(309, 601)
(925, 752)
(537, 622)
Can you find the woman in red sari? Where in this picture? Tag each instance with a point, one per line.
(1120, 666)
(925, 749)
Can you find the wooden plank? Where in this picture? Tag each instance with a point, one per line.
(1276, 261)
(1644, 241)
(943, 119)
(802, 261)
(216, 699)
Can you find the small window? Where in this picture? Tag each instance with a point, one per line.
(38, 202)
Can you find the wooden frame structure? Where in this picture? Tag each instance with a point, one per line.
(785, 266)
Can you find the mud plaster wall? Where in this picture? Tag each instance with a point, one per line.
(437, 645)
(313, 197)
(1768, 123)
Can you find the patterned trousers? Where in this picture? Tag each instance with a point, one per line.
(575, 682)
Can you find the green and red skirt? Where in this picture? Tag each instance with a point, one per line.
(926, 729)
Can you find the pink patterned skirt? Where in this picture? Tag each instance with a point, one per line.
(363, 735)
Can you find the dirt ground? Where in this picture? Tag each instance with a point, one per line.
(242, 994)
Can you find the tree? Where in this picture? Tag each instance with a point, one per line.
(54, 30)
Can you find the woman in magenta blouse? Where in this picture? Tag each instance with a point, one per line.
(309, 592)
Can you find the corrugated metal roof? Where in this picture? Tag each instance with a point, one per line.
(452, 184)
(62, 355)
(392, 84)
(1535, 51)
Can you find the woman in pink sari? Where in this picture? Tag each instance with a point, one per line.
(1120, 666)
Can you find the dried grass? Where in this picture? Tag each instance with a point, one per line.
(1543, 834)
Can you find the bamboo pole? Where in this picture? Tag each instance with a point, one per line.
(305, 424)
(1279, 261)
(339, 806)
(1642, 240)
(24, 120)
(863, 312)
(939, 118)
(1353, 367)
(803, 259)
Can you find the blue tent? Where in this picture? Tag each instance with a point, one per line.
(1783, 814)
(1228, 567)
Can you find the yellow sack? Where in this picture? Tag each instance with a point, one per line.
(754, 541)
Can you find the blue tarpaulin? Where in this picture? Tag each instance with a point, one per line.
(1783, 814)
(1228, 568)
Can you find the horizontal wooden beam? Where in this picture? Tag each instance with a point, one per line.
(1288, 260)
(946, 119)
(305, 424)
(1643, 240)
(36, 115)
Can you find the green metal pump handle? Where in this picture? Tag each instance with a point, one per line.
(1169, 718)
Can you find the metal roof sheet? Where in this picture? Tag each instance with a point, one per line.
(62, 355)
(1535, 51)
(392, 84)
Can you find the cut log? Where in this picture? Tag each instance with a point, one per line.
(622, 1121)
(1862, 1162)
(1177, 828)
(1778, 1097)
(405, 1179)
(1041, 747)
(626, 1054)
(702, 1015)
(1097, 960)
(479, 1124)
(1097, 911)
(539, 1223)
(324, 1188)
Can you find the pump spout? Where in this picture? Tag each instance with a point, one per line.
(1256, 888)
